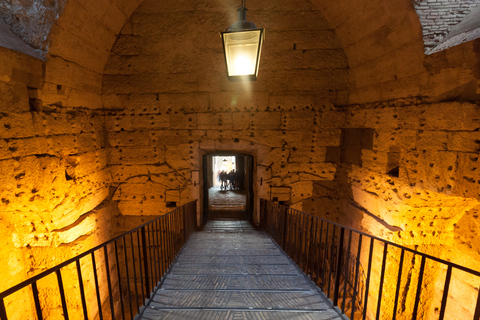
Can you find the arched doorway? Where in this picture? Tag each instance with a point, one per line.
(231, 198)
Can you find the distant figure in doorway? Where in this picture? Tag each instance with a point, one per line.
(223, 180)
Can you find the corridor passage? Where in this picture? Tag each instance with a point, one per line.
(231, 271)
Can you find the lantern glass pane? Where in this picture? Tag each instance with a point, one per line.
(241, 49)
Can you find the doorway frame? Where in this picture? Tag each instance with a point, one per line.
(203, 196)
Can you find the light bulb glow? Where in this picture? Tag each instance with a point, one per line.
(243, 66)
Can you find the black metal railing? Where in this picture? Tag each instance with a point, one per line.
(110, 281)
(400, 282)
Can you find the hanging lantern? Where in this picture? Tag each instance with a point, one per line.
(242, 45)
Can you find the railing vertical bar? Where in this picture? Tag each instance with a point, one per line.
(294, 239)
(301, 232)
(419, 289)
(369, 272)
(324, 254)
(134, 272)
(62, 294)
(128, 276)
(109, 282)
(319, 250)
(97, 287)
(331, 264)
(303, 244)
(159, 249)
(38, 307)
(145, 263)
(119, 279)
(476, 316)
(151, 254)
(347, 273)
(185, 227)
(357, 271)
(338, 271)
(382, 278)
(82, 289)
(288, 248)
(284, 228)
(314, 249)
(175, 235)
(308, 269)
(141, 264)
(298, 238)
(3, 310)
(164, 245)
(155, 250)
(445, 293)
(308, 239)
(399, 282)
(168, 230)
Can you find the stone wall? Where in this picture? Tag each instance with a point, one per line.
(416, 185)
(439, 17)
(171, 103)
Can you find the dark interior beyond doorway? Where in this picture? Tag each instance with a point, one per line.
(228, 186)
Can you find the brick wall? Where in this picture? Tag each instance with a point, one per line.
(438, 17)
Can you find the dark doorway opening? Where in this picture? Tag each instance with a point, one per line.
(227, 186)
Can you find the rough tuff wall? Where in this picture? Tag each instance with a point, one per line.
(166, 80)
(416, 184)
(53, 158)
(54, 177)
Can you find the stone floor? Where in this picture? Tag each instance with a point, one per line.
(233, 200)
(231, 271)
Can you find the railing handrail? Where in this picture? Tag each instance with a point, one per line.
(390, 243)
(296, 233)
(51, 270)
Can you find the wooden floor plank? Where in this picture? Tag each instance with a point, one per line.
(231, 271)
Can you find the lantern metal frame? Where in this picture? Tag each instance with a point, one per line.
(239, 27)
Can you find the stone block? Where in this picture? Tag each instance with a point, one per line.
(183, 121)
(17, 125)
(14, 98)
(214, 121)
(464, 141)
(135, 156)
(241, 120)
(266, 120)
(61, 72)
(432, 140)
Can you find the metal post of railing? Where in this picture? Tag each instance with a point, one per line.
(477, 309)
(357, 269)
(109, 282)
(419, 289)
(62, 294)
(347, 271)
(145, 263)
(399, 281)
(82, 290)
(184, 225)
(3, 311)
(119, 279)
(338, 270)
(97, 287)
(382, 278)
(38, 307)
(284, 228)
(445, 292)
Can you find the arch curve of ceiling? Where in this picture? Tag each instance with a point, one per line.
(382, 40)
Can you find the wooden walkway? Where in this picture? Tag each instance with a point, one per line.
(231, 271)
